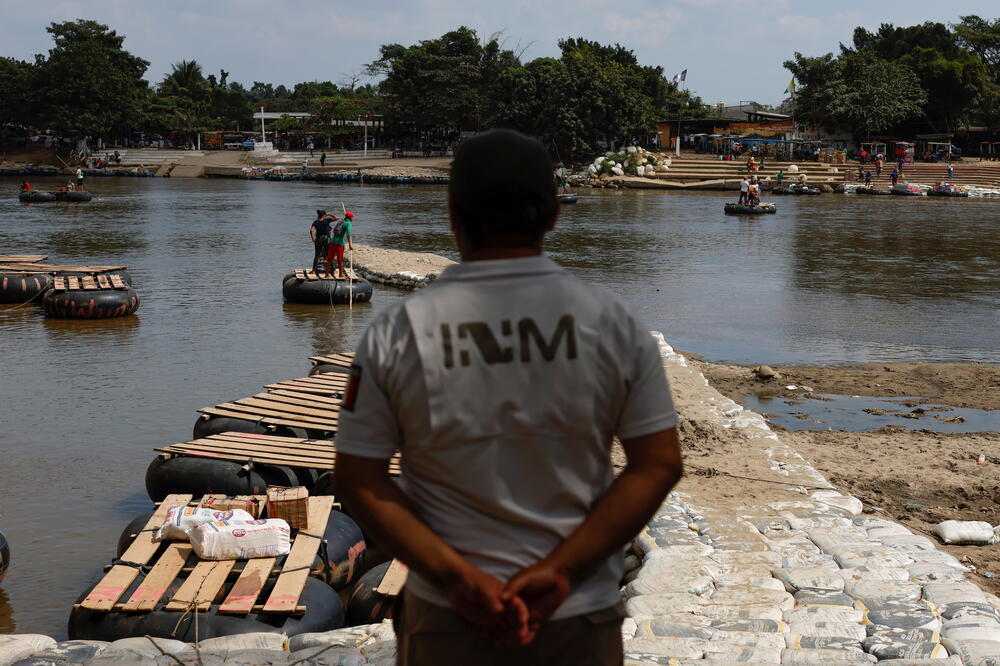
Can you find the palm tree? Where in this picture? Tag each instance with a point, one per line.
(186, 76)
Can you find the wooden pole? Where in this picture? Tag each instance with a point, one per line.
(350, 261)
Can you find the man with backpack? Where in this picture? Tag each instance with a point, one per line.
(319, 232)
(340, 236)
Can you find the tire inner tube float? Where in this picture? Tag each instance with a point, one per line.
(216, 425)
(339, 562)
(366, 605)
(36, 197)
(743, 209)
(4, 556)
(74, 196)
(201, 476)
(91, 303)
(19, 287)
(567, 198)
(324, 612)
(325, 292)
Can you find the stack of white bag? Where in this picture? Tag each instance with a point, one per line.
(181, 520)
(241, 539)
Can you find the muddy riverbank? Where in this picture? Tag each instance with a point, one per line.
(909, 473)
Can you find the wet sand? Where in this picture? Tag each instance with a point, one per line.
(916, 476)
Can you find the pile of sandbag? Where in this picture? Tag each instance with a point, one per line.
(631, 161)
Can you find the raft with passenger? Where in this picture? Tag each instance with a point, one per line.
(305, 286)
(74, 195)
(36, 197)
(947, 190)
(164, 589)
(746, 209)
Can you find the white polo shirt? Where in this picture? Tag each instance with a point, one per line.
(502, 384)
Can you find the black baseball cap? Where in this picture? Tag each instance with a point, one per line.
(501, 182)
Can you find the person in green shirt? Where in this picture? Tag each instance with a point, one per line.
(341, 236)
(780, 175)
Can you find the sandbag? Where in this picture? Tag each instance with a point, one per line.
(66, 652)
(241, 539)
(797, 641)
(935, 573)
(884, 648)
(806, 598)
(975, 532)
(146, 645)
(838, 500)
(819, 657)
(253, 641)
(755, 612)
(328, 656)
(810, 578)
(680, 582)
(905, 615)
(181, 519)
(973, 632)
(752, 626)
(744, 596)
(881, 592)
(649, 606)
(20, 646)
(675, 648)
(824, 614)
(892, 634)
(849, 630)
(974, 653)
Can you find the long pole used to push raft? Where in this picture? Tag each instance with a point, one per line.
(350, 260)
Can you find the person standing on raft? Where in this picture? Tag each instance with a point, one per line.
(319, 232)
(503, 384)
(340, 236)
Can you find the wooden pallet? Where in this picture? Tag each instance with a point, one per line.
(332, 384)
(306, 275)
(88, 282)
(205, 581)
(343, 359)
(22, 258)
(242, 447)
(303, 411)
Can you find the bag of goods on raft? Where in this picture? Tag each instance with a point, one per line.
(241, 539)
(290, 505)
(182, 519)
(972, 532)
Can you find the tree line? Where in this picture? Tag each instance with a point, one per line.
(927, 78)
(589, 96)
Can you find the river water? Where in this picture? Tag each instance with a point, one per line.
(82, 404)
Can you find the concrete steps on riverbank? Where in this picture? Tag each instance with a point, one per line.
(332, 156)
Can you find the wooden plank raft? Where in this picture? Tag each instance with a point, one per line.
(306, 275)
(206, 580)
(241, 447)
(54, 268)
(22, 258)
(273, 409)
(343, 359)
(88, 282)
(331, 384)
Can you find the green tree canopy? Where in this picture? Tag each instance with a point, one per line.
(880, 94)
(88, 84)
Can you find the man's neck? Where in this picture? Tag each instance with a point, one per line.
(493, 253)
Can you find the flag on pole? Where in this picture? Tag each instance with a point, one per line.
(684, 75)
(680, 77)
(791, 87)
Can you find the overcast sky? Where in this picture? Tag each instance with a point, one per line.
(732, 49)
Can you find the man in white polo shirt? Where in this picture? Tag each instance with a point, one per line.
(503, 384)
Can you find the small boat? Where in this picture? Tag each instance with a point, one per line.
(797, 189)
(946, 190)
(36, 197)
(871, 190)
(907, 190)
(744, 209)
(567, 198)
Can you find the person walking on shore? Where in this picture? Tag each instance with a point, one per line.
(319, 232)
(894, 177)
(744, 190)
(322, 159)
(503, 384)
(339, 237)
(951, 171)
(868, 178)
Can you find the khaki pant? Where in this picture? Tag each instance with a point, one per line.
(432, 635)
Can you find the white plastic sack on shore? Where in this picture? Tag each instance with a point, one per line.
(973, 632)
(810, 578)
(331, 656)
(617, 170)
(182, 519)
(14, 647)
(905, 615)
(880, 574)
(238, 539)
(975, 653)
(813, 614)
(881, 592)
(908, 543)
(748, 596)
(740, 654)
(953, 660)
(756, 612)
(798, 641)
(649, 606)
(674, 648)
(904, 635)
(934, 573)
(669, 629)
(885, 649)
(750, 626)
(808, 657)
(938, 557)
(253, 641)
(973, 532)
(849, 630)
(146, 645)
(838, 500)
(685, 582)
(949, 593)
